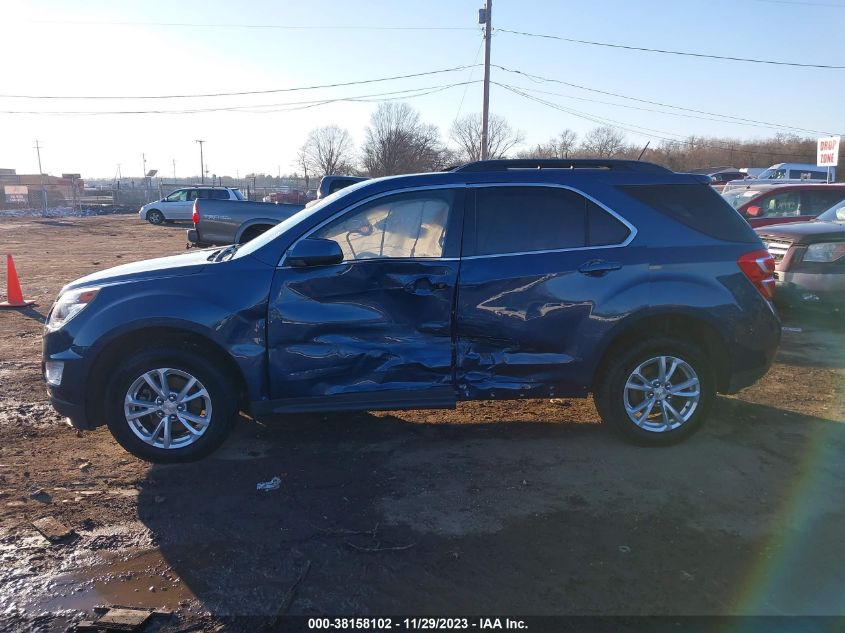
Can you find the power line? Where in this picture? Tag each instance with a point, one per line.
(410, 93)
(670, 52)
(541, 79)
(805, 4)
(634, 129)
(676, 114)
(246, 92)
(218, 25)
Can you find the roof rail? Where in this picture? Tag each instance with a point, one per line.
(562, 163)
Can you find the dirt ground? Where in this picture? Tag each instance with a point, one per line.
(495, 508)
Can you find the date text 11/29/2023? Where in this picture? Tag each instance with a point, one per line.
(414, 624)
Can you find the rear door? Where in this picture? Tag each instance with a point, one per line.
(375, 330)
(542, 271)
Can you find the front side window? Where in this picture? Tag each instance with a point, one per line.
(410, 225)
(783, 205)
(177, 196)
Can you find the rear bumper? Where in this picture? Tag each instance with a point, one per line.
(753, 348)
(194, 239)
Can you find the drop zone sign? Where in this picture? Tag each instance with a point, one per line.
(828, 152)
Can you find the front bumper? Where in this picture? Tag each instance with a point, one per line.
(810, 289)
(69, 396)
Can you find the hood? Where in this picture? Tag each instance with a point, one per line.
(806, 232)
(173, 266)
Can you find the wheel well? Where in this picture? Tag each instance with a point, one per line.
(138, 340)
(695, 330)
(151, 210)
(253, 231)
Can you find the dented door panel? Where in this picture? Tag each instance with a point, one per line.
(365, 326)
(528, 325)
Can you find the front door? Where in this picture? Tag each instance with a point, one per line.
(376, 330)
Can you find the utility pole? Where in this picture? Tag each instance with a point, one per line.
(41, 173)
(144, 171)
(202, 163)
(174, 170)
(485, 110)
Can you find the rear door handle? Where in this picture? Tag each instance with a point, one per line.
(598, 267)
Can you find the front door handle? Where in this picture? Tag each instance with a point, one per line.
(598, 267)
(426, 284)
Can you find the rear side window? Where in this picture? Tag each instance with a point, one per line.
(602, 228)
(530, 219)
(814, 202)
(696, 206)
(220, 194)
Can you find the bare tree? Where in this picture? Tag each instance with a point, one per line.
(501, 137)
(603, 142)
(397, 142)
(561, 146)
(327, 150)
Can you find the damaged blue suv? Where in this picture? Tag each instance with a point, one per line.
(501, 279)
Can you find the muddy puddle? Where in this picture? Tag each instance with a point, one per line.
(116, 565)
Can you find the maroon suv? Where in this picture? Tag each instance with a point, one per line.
(762, 205)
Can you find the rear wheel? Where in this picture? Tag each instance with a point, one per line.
(656, 392)
(251, 233)
(154, 216)
(170, 406)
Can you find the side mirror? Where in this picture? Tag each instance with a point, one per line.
(754, 212)
(314, 252)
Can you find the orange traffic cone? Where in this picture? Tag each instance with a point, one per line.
(14, 295)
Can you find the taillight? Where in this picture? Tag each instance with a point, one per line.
(759, 267)
(195, 216)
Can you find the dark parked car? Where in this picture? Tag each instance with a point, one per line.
(810, 259)
(499, 279)
(719, 179)
(763, 205)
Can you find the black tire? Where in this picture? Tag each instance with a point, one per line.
(154, 216)
(610, 390)
(251, 233)
(223, 398)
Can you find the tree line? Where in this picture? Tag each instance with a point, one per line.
(397, 141)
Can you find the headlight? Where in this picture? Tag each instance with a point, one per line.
(825, 252)
(69, 305)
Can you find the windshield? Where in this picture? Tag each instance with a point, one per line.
(285, 225)
(738, 197)
(836, 213)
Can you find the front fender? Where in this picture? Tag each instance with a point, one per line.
(226, 305)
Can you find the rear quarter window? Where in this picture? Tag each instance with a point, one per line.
(696, 206)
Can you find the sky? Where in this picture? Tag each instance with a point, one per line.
(118, 48)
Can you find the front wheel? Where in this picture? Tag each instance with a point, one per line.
(155, 216)
(656, 392)
(169, 406)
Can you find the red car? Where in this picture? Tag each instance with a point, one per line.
(762, 205)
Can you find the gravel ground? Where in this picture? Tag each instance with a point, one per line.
(528, 508)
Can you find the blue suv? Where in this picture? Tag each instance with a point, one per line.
(496, 280)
